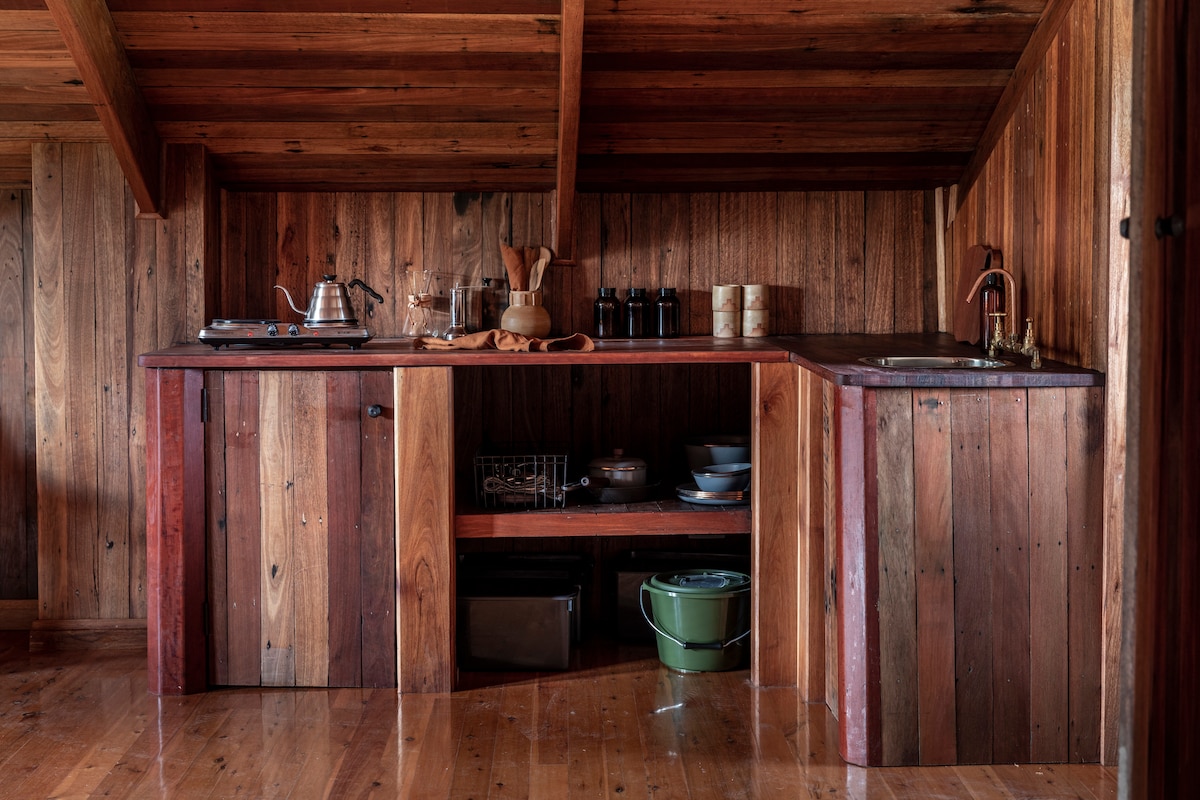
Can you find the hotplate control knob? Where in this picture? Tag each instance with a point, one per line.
(272, 330)
(293, 329)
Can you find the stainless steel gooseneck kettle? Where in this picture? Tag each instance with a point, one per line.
(330, 303)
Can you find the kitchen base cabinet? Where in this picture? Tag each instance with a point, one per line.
(303, 508)
(300, 536)
(926, 559)
(967, 573)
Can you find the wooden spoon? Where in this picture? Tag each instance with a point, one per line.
(539, 268)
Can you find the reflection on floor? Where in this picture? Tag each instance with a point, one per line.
(79, 724)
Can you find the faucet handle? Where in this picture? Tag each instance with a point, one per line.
(1028, 344)
(996, 340)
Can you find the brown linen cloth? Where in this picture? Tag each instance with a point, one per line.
(499, 339)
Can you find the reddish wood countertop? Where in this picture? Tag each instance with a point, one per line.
(833, 357)
(837, 359)
(385, 353)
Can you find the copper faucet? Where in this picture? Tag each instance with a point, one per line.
(999, 342)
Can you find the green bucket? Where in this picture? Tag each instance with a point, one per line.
(701, 618)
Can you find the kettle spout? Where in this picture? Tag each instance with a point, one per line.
(291, 302)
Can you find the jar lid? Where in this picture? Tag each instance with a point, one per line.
(702, 581)
(608, 291)
(666, 291)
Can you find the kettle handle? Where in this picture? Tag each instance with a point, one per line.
(358, 282)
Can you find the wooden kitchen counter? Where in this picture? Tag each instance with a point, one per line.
(915, 534)
(387, 353)
(837, 359)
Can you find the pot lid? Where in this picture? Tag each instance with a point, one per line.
(702, 581)
(617, 462)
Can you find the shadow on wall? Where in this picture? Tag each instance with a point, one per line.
(18, 519)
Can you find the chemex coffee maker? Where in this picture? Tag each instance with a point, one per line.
(329, 319)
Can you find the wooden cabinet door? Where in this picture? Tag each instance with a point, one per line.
(301, 528)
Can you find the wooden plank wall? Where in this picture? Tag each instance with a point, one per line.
(836, 261)
(1043, 197)
(989, 564)
(301, 542)
(152, 284)
(1051, 198)
(18, 477)
(110, 287)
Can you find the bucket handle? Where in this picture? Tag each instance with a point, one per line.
(685, 645)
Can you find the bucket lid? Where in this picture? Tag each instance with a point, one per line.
(701, 581)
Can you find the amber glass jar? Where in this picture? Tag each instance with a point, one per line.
(606, 312)
(666, 314)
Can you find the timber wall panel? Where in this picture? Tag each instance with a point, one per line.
(971, 516)
(378, 561)
(18, 516)
(217, 567)
(1050, 197)
(935, 577)
(1048, 604)
(424, 468)
(830, 470)
(90, 395)
(836, 261)
(154, 280)
(898, 631)
(780, 578)
(813, 446)
(1035, 199)
(343, 454)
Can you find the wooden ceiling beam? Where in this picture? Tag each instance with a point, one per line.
(91, 37)
(570, 83)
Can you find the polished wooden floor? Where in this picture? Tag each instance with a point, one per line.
(76, 725)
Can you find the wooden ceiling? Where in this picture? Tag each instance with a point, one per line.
(440, 95)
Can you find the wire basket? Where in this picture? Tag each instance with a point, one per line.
(520, 478)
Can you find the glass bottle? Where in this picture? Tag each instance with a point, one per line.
(991, 302)
(636, 313)
(666, 313)
(606, 312)
(458, 315)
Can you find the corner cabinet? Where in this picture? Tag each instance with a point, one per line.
(964, 558)
(303, 517)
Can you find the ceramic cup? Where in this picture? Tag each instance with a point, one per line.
(727, 324)
(755, 322)
(727, 297)
(754, 297)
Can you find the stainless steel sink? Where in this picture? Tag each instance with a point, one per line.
(934, 362)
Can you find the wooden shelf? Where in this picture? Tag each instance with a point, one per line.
(651, 518)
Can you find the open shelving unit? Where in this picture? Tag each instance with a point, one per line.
(649, 518)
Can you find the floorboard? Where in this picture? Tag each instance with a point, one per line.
(618, 724)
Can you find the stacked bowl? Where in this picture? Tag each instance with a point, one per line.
(720, 467)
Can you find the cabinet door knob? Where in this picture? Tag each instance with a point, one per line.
(374, 410)
(1168, 226)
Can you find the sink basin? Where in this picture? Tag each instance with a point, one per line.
(935, 362)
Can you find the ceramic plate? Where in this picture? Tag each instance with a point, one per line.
(691, 493)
